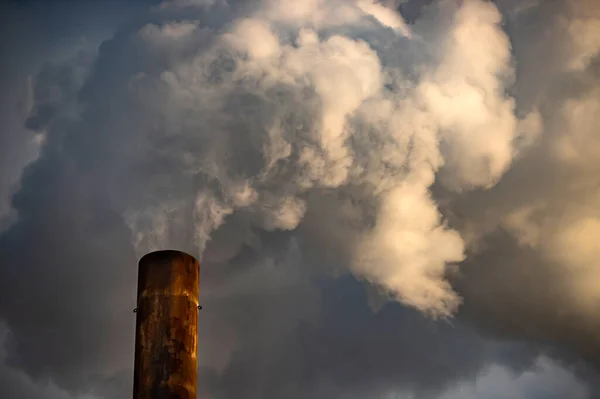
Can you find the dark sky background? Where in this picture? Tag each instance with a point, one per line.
(279, 319)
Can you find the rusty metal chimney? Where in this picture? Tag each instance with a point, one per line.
(166, 326)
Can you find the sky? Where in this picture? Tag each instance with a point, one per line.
(392, 199)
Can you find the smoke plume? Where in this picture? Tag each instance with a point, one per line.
(442, 152)
(265, 114)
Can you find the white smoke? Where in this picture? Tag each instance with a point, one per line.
(299, 100)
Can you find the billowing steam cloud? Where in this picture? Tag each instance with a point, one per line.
(267, 115)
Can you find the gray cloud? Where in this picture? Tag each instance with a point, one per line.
(545, 380)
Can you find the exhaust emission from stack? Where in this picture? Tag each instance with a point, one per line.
(275, 113)
(448, 163)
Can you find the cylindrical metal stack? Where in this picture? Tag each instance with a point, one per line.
(166, 326)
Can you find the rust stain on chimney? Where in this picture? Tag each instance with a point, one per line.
(166, 326)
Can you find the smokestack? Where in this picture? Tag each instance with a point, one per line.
(166, 326)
